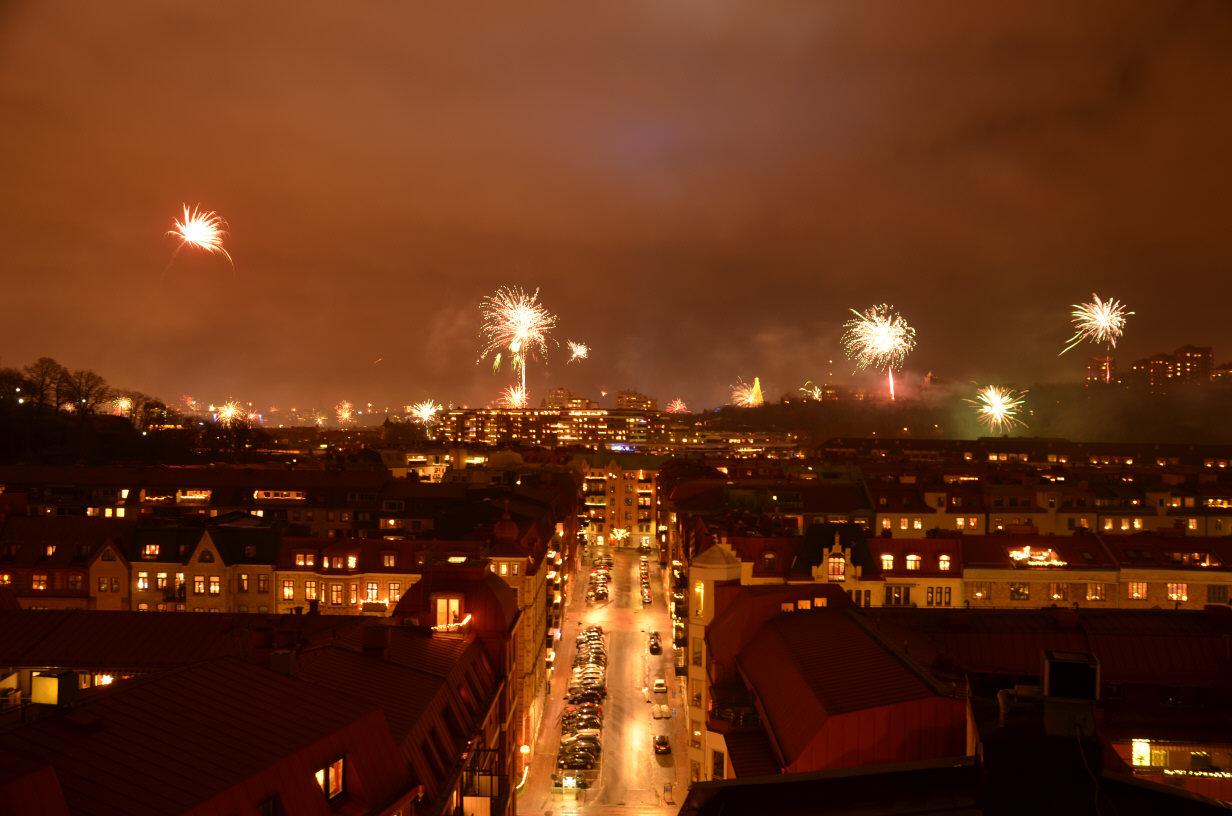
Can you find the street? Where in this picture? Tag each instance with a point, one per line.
(631, 777)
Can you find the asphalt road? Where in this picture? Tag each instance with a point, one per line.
(632, 777)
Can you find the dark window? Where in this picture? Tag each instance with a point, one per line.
(206, 557)
(718, 764)
(1217, 593)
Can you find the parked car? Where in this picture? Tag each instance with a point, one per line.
(662, 745)
(660, 686)
(656, 645)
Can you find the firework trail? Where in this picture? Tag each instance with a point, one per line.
(202, 230)
(878, 338)
(677, 406)
(811, 391)
(1100, 321)
(424, 412)
(578, 351)
(514, 397)
(747, 396)
(515, 320)
(998, 408)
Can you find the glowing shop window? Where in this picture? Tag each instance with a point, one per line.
(1141, 753)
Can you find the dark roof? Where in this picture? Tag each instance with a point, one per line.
(751, 753)
(1080, 551)
(176, 740)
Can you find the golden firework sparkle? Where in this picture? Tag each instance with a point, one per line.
(515, 320)
(578, 351)
(201, 229)
(424, 412)
(344, 412)
(877, 338)
(998, 407)
(744, 395)
(811, 390)
(1100, 321)
(228, 412)
(677, 406)
(122, 406)
(514, 397)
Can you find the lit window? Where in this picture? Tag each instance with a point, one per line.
(1137, 590)
(1097, 592)
(1141, 753)
(837, 568)
(38, 581)
(330, 779)
(902, 522)
(50, 550)
(1020, 592)
(352, 561)
(943, 563)
(370, 591)
(310, 590)
(960, 523)
(6, 578)
(199, 584)
(388, 559)
(395, 591)
(885, 524)
(504, 568)
(215, 585)
(1193, 524)
(1058, 592)
(288, 590)
(263, 583)
(913, 562)
(887, 561)
(1178, 592)
(143, 580)
(972, 522)
(243, 582)
(917, 524)
(160, 581)
(335, 594)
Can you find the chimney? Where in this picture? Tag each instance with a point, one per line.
(376, 640)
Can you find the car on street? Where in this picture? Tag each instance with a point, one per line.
(656, 645)
(645, 596)
(660, 686)
(662, 744)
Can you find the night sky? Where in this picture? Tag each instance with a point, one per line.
(700, 189)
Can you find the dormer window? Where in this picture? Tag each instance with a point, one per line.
(50, 550)
(388, 559)
(150, 551)
(887, 561)
(836, 568)
(305, 559)
(943, 563)
(913, 562)
(352, 561)
(331, 779)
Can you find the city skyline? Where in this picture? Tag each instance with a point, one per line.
(697, 214)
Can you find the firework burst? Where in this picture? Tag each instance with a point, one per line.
(677, 406)
(515, 320)
(578, 351)
(747, 396)
(811, 391)
(202, 230)
(228, 412)
(998, 408)
(424, 412)
(344, 412)
(514, 397)
(122, 406)
(1100, 321)
(878, 337)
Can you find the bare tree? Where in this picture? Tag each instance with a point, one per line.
(86, 390)
(43, 378)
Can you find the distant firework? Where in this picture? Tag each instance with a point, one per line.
(190, 402)
(677, 406)
(747, 396)
(1100, 321)
(344, 412)
(998, 408)
(424, 412)
(201, 229)
(228, 412)
(513, 397)
(122, 406)
(811, 391)
(878, 338)
(578, 351)
(515, 320)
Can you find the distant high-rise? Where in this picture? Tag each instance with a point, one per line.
(564, 398)
(1194, 363)
(1101, 369)
(635, 401)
